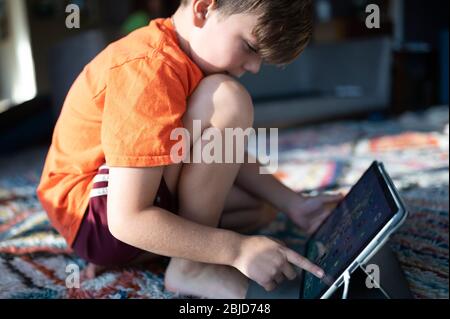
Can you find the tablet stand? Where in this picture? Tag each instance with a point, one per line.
(390, 283)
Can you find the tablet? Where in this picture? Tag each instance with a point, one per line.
(357, 228)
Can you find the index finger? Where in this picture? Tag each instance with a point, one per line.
(303, 263)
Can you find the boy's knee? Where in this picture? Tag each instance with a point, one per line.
(229, 101)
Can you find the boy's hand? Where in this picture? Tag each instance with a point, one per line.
(269, 262)
(309, 212)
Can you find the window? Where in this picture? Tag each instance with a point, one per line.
(17, 75)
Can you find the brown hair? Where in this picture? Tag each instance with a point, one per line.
(284, 27)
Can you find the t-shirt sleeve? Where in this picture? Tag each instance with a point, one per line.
(144, 101)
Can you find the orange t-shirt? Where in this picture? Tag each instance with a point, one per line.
(120, 111)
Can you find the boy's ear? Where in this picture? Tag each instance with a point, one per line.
(201, 10)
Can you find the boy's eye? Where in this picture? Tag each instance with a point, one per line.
(250, 48)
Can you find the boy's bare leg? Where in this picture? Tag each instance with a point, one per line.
(219, 102)
(245, 217)
(217, 281)
(244, 213)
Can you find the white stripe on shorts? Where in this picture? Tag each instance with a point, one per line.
(97, 192)
(101, 178)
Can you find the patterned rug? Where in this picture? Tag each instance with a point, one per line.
(36, 263)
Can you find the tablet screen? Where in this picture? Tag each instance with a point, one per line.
(348, 230)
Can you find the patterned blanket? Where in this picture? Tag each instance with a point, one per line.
(35, 261)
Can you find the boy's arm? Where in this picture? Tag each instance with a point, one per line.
(133, 219)
(266, 186)
(306, 212)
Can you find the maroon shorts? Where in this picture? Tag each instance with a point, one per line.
(94, 242)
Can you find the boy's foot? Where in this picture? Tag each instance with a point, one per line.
(205, 280)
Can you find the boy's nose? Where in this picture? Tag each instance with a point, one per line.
(254, 66)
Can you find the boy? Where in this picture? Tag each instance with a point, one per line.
(110, 186)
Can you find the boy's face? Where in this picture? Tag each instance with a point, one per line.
(225, 44)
